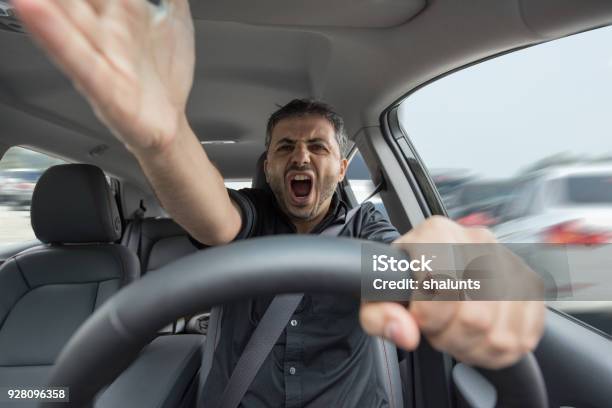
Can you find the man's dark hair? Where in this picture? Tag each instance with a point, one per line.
(306, 107)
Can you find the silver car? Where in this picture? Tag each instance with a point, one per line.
(569, 205)
(17, 186)
(560, 221)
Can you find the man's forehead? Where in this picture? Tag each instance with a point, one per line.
(303, 128)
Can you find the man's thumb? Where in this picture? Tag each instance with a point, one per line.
(392, 321)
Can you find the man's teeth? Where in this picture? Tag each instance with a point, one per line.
(301, 177)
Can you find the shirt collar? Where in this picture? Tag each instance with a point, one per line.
(336, 213)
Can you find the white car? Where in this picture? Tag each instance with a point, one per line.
(17, 185)
(560, 221)
(565, 205)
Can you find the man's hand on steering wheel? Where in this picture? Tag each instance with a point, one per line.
(489, 334)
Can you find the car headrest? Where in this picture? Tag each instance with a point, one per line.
(259, 180)
(72, 203)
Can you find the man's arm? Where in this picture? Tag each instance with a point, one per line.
(191, 189)
(134, 64)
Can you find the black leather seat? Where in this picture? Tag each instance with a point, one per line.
(158, 241)
(162, 241)
(259, 179)
(48, 291)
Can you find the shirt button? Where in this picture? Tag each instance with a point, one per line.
(292, 370)
(294, 322)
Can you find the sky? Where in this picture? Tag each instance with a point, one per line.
(500, 116)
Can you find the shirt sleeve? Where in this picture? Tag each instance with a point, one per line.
(245, 200)
(376, 226)
(248, 211)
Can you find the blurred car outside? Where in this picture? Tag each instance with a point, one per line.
(562, 219)
(3, 180)
(564, 205)
(479, 203)
(17, 186)
(449, 183)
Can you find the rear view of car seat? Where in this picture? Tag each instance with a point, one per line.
(48, 291)
(157, 242)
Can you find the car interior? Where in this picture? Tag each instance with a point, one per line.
(111, 266)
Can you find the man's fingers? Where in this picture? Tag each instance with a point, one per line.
(64, 44)
(433, 317)
(487, 334)
(98, 5)
(469, 326)
(533, 327)
(504, 342)
(52, 30)
(134, 12)
(182, 10)
(84, 17)
(125, 35)
(392, 321)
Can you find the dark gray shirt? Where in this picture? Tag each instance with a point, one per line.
(323, 357)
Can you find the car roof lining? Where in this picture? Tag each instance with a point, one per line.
(245, 70)
(310, 13)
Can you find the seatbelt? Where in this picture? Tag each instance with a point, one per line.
(335, 229)
(212, 339)
(262, 340)
(259, 346)
(133, 235)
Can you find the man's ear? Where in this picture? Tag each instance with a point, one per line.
(343, 167)
(265, 169)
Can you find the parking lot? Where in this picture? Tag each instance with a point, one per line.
(15, 226)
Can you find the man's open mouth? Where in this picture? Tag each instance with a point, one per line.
(300, 186)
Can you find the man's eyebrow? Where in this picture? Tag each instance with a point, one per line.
(286, 140)
(317, 140)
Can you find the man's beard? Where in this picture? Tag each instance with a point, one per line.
(277, 185)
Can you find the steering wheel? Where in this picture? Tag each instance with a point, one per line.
(108, 342)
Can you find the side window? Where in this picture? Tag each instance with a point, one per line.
(360, 182)
(521, 144)
(238, 184)
(20, 169)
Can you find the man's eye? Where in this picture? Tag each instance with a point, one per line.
(317, 148)
(284, 148)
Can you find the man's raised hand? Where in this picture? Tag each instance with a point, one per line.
(133, 61)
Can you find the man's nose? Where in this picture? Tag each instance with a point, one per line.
(301, 155)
